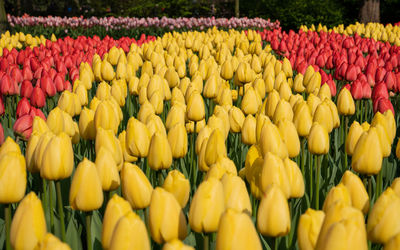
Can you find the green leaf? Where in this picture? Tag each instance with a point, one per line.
(96, 230)
(73, 234)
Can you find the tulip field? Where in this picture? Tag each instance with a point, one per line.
(198, 134)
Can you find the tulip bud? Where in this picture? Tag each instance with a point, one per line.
(318, 140)
(283, 111)
(236, 231)
(383, 220)
(86, 124)
(295, 178)
(323, 116)
(290, 137)
(178, 185)
(85, 192)
(251, 101)
(249, 130)
(107, 169)
(136, 188)
(130, 233)
(166, 219)
(367, 155)
(236, 119)
(271, 141)
(353, 136)
(106, 139)
(215, 148)
(302, 119)
(58, 158)
(358, 194)
(271, 103)
(176, 244)
(116, 209)
(347, 233)
(9, 146)
(107, 71)
(105, 117)
(28, 226)
(273, 216)
(339, 193)
(12, 175)
(195, 107)
(207, 206)
(49, 242)
(160, 155)
(235, 193)
(308, 228)
(177, 138)
(345, 102)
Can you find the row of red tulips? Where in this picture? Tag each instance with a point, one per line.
(29, 76)
(370, 67)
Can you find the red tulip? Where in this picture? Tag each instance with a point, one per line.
(383, 104)
(7, 86)
(390, 80)
(366, 90)
(17, 75)
(351, 73)
(27, 74)
(26, 89)
(48, 86)
(380, 90)
(37, 98)
(332, 86)
(37, 112)
(380, 74)
(23, 107)
(23, 126)
(356, 90)
(67, 86)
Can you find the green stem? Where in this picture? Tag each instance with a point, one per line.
(276, 245)
(7, 215)
(379, 185)
(206, 242)
(89, 231)
(160, 178)
(193, 160)
(370, 192)
(311, 179)
(318, 163)
(60, 210)
(44, 196)
(303, 154)
(362, 110)
(51, 207)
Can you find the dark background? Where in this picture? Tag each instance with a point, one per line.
(291, 13)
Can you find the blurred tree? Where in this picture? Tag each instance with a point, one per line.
(370, 11)
(3, 17)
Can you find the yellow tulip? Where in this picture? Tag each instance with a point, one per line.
(160, 155)
(302, 119)
(166, 219)
(353, 136)
(251, 101)
(236, 231)
(308, 229)
(176, 244)
(136, 188)
(393, 243)
(271, 103)
(318, 140)
(105, 117)
(367, 155)
(249, 130)
(273, 216)
(107, 71)
(177, 138)
(283, 111)
(383, 220)
(178, 185)
(323, 116)
(58, 158)
(28, 226)
(271, 141)
(106, 139)
(235, 193)
(345, 102)
(137, 138)
(195, 107)
(290, 137)
(358, 194)
(340, 193)
(85, 193)
(130, 233)
(116, 208)
(86, 124)
(236, 119)
(49, 242)
(12, 175)
(207, 206)
(295, 178)
(107, 169)
(215, 148)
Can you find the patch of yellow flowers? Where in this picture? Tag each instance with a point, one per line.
(20, 40)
